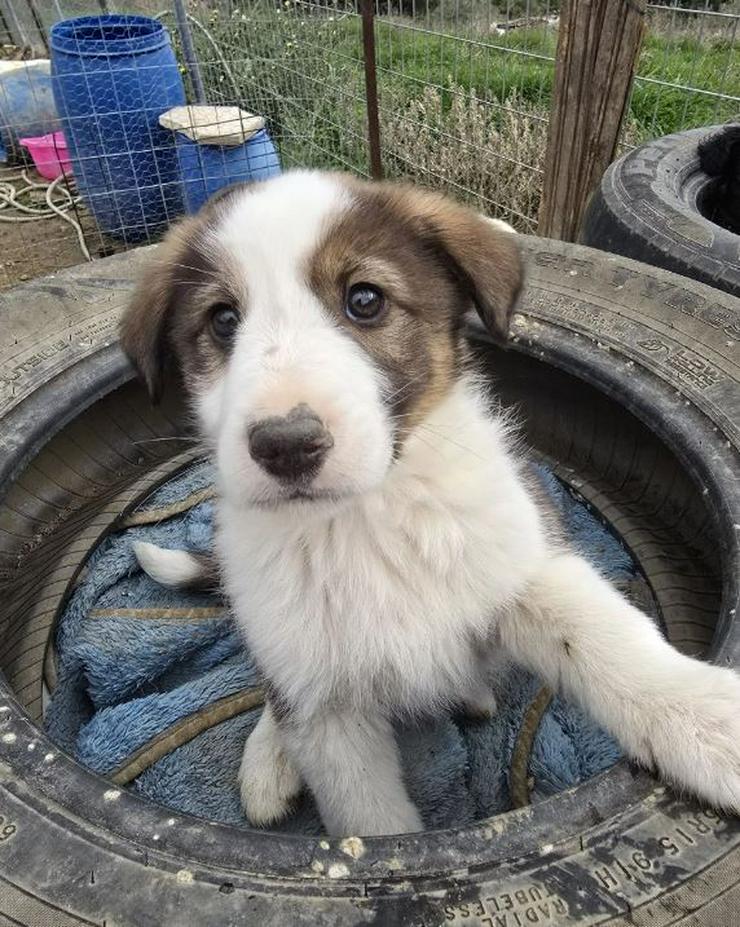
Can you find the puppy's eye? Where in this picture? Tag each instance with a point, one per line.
(224, 322)
(365, 304)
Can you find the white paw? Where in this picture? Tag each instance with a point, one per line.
(398, 815)
(406, 820)
(479, 705)
(694, 738)
(172, 568)
(268, 781)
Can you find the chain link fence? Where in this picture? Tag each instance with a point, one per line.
(464, 92)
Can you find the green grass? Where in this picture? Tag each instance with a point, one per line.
(412, 58)
(711, 64)
(409, 58)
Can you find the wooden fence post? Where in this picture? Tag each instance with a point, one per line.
(598, 45)
(371, 88)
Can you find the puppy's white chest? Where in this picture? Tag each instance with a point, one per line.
(385, 600)
(333, 612)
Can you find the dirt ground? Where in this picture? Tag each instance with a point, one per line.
(34, 249)
(43, 246)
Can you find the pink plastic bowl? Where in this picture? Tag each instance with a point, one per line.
(49, 153)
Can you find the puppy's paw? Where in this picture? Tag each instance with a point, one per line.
(268, 781)
(403, 819)
(176, 569)
(694, 739)
(365, 818)
(479, 705)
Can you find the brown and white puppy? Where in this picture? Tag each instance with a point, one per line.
(376, 535)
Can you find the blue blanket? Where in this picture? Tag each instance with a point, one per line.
(155, 689)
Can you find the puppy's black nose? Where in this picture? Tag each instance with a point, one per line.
(291, 446)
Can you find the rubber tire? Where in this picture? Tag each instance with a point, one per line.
(632, 387)
(648, 207)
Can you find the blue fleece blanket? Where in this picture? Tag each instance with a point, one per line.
(144, 674)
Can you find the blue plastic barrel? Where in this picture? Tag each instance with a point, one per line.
(112, 77)
(26, 105)
(204, 169)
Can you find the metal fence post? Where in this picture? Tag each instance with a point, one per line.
(188, 50)
(371, 87)
(598, 44)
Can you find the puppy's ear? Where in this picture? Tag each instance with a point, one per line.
(143, 327)
(483, 256)
(225, 193)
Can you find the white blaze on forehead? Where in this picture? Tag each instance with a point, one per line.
(270, 232)
(291, 348)
(269, 236)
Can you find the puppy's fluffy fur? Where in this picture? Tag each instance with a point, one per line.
(391, 578)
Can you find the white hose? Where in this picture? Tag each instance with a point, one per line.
(60, 211)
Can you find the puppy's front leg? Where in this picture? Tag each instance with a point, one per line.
(350, 763)
(268, 780)
(667, 710)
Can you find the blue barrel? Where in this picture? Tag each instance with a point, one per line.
(26, 105)
(204, 169)
(112, 77)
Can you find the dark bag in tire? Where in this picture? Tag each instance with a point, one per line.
(650, 207)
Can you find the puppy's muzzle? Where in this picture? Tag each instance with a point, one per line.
(291, 447)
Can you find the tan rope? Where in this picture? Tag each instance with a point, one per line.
(152, 516)
(520, 791)
(172, 614)
(185, 730)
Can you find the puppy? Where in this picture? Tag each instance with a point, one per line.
(719, 157)
(377, 533)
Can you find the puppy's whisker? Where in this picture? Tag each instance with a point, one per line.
(201, 271)
(195, 441)
(419, 427)
(404, 388)
(427, 443)
(443, 437)
(192, 283)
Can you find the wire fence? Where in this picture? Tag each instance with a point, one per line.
(464, 89)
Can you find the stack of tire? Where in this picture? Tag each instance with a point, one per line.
(675, 203)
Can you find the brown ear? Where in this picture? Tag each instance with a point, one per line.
(485, 258)
(143, 327)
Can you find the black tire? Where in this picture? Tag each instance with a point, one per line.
(632, 389)
(649, 207)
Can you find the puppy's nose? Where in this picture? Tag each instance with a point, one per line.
(291, 446)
